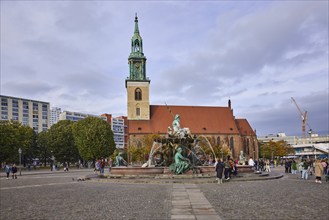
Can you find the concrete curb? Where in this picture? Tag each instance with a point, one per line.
(176, 179)
(42, 172)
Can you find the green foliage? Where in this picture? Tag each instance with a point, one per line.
(140, 148)
(60, 140)
(275, 148)
(93, 138)
(43, 149)
(14, 135)
(136, 154)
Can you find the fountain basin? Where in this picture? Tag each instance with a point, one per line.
(137, 170)
(245, 169)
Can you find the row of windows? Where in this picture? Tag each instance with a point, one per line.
(118, 139)
(118, 128)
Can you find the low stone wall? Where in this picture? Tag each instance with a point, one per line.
(137, 170)
(165, 170)
(244, 169)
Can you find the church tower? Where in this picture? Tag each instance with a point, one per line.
(137, 84)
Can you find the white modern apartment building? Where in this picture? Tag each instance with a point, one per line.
(77, 116)
(54, 115)
(313, 146)
(119, 128)
(33, 113)
(117, 125)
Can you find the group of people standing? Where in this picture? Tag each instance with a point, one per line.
(11, 169)
(318, 167)
(226, 168)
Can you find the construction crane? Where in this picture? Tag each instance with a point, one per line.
(303, 116)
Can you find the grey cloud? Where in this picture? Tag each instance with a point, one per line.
(286, 117)
(28, 88)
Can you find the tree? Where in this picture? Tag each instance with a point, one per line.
(14, 135)
(94, 138)
(61, 142)
(44, 151)
(275, 148)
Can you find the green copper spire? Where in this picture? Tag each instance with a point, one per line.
(136, 24)
(137, 60)
(136, 41)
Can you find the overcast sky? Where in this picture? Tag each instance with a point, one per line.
(74, 54)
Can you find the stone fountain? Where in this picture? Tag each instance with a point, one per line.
(177, 153)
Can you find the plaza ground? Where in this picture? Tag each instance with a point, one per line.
(57, 195)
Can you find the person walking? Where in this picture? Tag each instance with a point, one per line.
(325, 166)
(7, 170)
(227, 168)
(219, 171)
(293, 167)
(318, 171)
(305, 170)
(101, 166)
(110, 164)
(300, 168)
(267, 166)
(251, 162)
(14, 171)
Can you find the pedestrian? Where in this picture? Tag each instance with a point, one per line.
(318, 171)
(66, 166)
(101, 166)
(110, 164)
(251, 162)
(325, 166)
(300, 168)
(14, 171)
(293, 167)
(261, 165)
(267, 166)
(219, 170)
(311, 167)
(305, 170)
(7, 170)
(227, 168)
(96, 166)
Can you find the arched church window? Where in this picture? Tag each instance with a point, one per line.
(232, 146)
(138, 111)
(138, 94)
(218, 141)
(248, 145)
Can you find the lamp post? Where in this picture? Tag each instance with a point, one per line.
(310, 133)
(20, 157)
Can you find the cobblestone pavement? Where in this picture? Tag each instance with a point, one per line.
(287, 198)
(59, 197)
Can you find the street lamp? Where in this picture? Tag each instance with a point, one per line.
(20, 157)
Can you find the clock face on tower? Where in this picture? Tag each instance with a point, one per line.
(138, 70)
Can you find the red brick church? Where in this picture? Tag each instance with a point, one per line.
(216, 123)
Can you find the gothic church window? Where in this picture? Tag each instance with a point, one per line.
(232, 145)
(138, 94)
(218, 141)
(138, 111)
